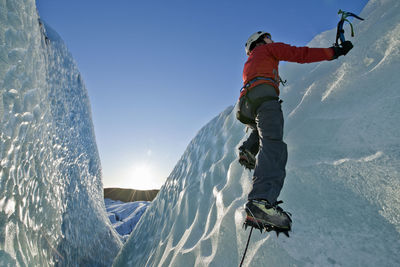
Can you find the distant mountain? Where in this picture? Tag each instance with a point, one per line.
(130, 195)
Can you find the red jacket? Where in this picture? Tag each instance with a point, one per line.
(263, 61)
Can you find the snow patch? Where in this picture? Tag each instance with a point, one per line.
(391, 43)
(307, 93)
(363, 159)
(368, 61)
(338, 82)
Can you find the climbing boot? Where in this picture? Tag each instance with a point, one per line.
(263, 215)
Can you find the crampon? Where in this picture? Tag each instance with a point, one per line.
(252, 222)
(247, 159)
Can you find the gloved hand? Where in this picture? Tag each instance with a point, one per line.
(342, 50)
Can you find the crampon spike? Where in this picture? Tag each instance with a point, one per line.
(268, 228)
(286, 233)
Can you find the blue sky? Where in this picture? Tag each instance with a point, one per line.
(157, 71)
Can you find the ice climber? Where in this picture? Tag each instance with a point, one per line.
(259, 107)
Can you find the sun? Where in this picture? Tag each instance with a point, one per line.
(143, 177)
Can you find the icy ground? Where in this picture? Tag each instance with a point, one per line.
(125, 216)
(343, 174)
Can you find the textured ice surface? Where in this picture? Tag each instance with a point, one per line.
(125, 215)
(51, 206)
(342, 185)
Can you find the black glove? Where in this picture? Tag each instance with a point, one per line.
(342, 50)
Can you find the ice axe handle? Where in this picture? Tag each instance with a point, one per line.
(340, 31)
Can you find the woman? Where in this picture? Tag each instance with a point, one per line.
(259, 107)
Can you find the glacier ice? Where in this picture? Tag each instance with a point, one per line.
(125, 215)
(51, 195)
(342, 184)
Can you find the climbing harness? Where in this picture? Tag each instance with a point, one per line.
(340, 31)
(247, 107)
(249, 83)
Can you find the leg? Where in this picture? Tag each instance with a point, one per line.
(269, 173)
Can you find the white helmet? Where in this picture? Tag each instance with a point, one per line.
(254, 37)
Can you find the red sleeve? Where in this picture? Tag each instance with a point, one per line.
(285, 52)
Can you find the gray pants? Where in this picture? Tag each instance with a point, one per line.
(267, 140)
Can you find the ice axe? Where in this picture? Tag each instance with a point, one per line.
(340, 31)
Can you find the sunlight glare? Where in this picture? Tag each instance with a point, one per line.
(143, 177)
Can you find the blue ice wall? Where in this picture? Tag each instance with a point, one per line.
(51, 196)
